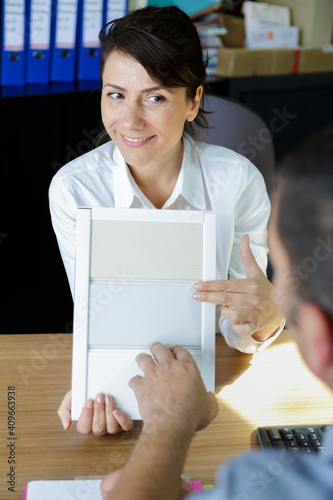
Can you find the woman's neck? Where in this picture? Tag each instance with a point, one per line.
(157, 182)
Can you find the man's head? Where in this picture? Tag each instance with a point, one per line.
(301, 249)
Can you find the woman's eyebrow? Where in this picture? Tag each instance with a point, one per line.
(150, 89)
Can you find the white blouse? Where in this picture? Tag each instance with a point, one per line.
(211, 178)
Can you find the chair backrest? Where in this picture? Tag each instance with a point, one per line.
(237, 127)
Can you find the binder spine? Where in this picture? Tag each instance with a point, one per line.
(39, 38)
(63, 41)
(12, 65)
(92, 15)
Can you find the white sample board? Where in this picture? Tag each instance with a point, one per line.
(135, 271)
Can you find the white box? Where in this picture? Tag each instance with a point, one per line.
(313, 17)
(276, 38)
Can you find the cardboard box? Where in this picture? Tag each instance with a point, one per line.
(236, 62)
(265, 62)
(316, 60)
(313, 17)
(236, 31)
(255, 62)
(276, 62)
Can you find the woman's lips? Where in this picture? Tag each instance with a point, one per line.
(136, 141)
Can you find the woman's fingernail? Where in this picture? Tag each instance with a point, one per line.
(64, 424)
(196, 296)
(100, 398)
(117, 414)
(90, 403)
(108, 399)
(198, 286)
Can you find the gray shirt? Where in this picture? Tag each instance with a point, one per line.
(276, 475)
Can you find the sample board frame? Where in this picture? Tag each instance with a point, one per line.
(134, 277)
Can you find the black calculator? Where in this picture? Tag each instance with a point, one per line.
(295, 438)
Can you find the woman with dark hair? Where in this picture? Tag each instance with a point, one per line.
(152, 74)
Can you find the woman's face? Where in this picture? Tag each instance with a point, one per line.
(144, 119)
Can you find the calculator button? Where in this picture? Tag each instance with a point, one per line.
(279, 444)
(274, 435)
(287, 434)
(315, 442)
(314, 436)
(291, 444)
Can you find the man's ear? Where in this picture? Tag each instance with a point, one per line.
(315, 338)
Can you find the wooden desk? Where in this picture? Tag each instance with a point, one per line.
(272, 387)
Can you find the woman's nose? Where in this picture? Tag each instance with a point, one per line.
(133, 116)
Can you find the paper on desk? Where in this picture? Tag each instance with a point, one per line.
(89, 489)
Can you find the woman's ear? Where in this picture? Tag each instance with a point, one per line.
(195, 104)
(315, 338)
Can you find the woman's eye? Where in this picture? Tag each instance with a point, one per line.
(156, 98)
(115, 96)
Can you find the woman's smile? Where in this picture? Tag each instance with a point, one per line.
(136, 141)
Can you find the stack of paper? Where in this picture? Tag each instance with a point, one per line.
(210, 31)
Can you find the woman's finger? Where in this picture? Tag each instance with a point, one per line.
(240, 315)
(246, 301)
(125, 422)
(244, 329)
(99, 419)
(64, 411)
(84, 423)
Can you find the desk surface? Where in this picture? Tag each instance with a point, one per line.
(272, 387)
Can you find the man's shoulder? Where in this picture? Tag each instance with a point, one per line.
(274, 475)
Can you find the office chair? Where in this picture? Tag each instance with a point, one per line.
(237, 127)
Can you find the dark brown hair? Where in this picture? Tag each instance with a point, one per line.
(166, 43)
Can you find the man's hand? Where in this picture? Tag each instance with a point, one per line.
(247, 303)
(172, 393)
(110, 480)
(173, 403)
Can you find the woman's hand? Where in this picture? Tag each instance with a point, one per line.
(247, 303)
(98, 417)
